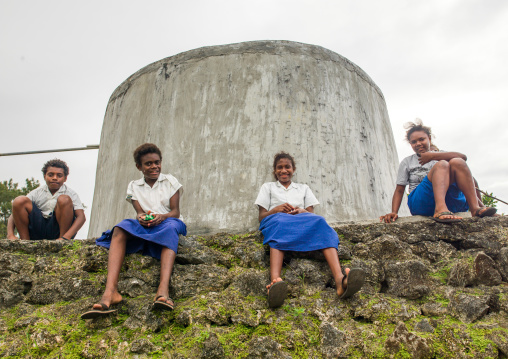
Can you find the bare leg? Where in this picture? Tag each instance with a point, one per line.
(167, 261)
(21, 208)
(478, 193)
(276, 260)
(332, 258)
(439, 175)
(460, 174)
(115, 260)
(64, 213)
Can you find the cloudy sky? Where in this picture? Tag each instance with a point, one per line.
(444, 61)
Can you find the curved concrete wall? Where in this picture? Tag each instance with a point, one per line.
(219, 114)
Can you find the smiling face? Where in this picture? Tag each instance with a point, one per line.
(150, 167)
(55, 178)
(420, 142)
(284, 171)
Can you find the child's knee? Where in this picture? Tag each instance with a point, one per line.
(64, 200)
(458, 162)
(21, 202)
(119, 233)
(442, 164)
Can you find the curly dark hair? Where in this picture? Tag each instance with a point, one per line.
(280, 156)
(145, 149)
(416, 126)
(56, 163)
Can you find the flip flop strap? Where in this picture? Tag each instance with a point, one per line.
(445, 214)
(165, 299)
(104, 306)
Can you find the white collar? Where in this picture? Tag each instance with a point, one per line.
(142, 182)
(291, 185)
(45, 188)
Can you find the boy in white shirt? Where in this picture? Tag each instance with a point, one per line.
(52, 211)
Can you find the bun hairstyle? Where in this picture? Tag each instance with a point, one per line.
(416, 126)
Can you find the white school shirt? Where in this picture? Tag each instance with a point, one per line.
(46, 201)
(154, 199)
(273, 194)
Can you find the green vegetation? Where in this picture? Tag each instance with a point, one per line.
(8, 191)
(488, 201)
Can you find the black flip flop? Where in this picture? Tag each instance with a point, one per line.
(446, 220)
(96, 313)
(489, 212)
(355, 280)
(277, 293)
(162, 305)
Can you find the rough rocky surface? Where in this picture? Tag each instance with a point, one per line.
(432, 291)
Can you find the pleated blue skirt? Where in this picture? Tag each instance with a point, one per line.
(148, 240)
(302, 232)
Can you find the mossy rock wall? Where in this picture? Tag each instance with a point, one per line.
(432, 291)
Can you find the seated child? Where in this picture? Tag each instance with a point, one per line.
(440, 183)
(289, 224)
(52, 211)
(155, 195)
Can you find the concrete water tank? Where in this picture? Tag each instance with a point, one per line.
(220, 113)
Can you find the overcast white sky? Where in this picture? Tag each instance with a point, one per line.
(444, 61)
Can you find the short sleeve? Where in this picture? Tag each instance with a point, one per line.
(309, 199)
(31, 195)
(175, 186)
(130, 193)
(263, 199)
(76, 201)
(403, 174)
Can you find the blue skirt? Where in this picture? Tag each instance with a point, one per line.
(302, 232)
(149, 240)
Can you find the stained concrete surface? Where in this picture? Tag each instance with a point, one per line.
(219, 114)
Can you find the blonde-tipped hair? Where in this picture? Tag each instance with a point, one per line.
(416, 126)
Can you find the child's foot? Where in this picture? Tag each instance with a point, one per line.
(485, 212)
(108, 299)
(104, 307)
(277, 293)
(341, 283)
(446, 217)
(352, 282)
(279, 279)
(163, 303)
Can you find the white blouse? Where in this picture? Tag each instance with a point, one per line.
(273, 194)
(154, 199)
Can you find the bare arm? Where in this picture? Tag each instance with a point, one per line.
(396, 201)
(440, 156)
(10, 228)
(174, 204)
(77, 224)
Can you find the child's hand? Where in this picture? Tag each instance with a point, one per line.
(143, 221)
(284, 208)
(425, 157)
(297, 210)
(157, 219)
